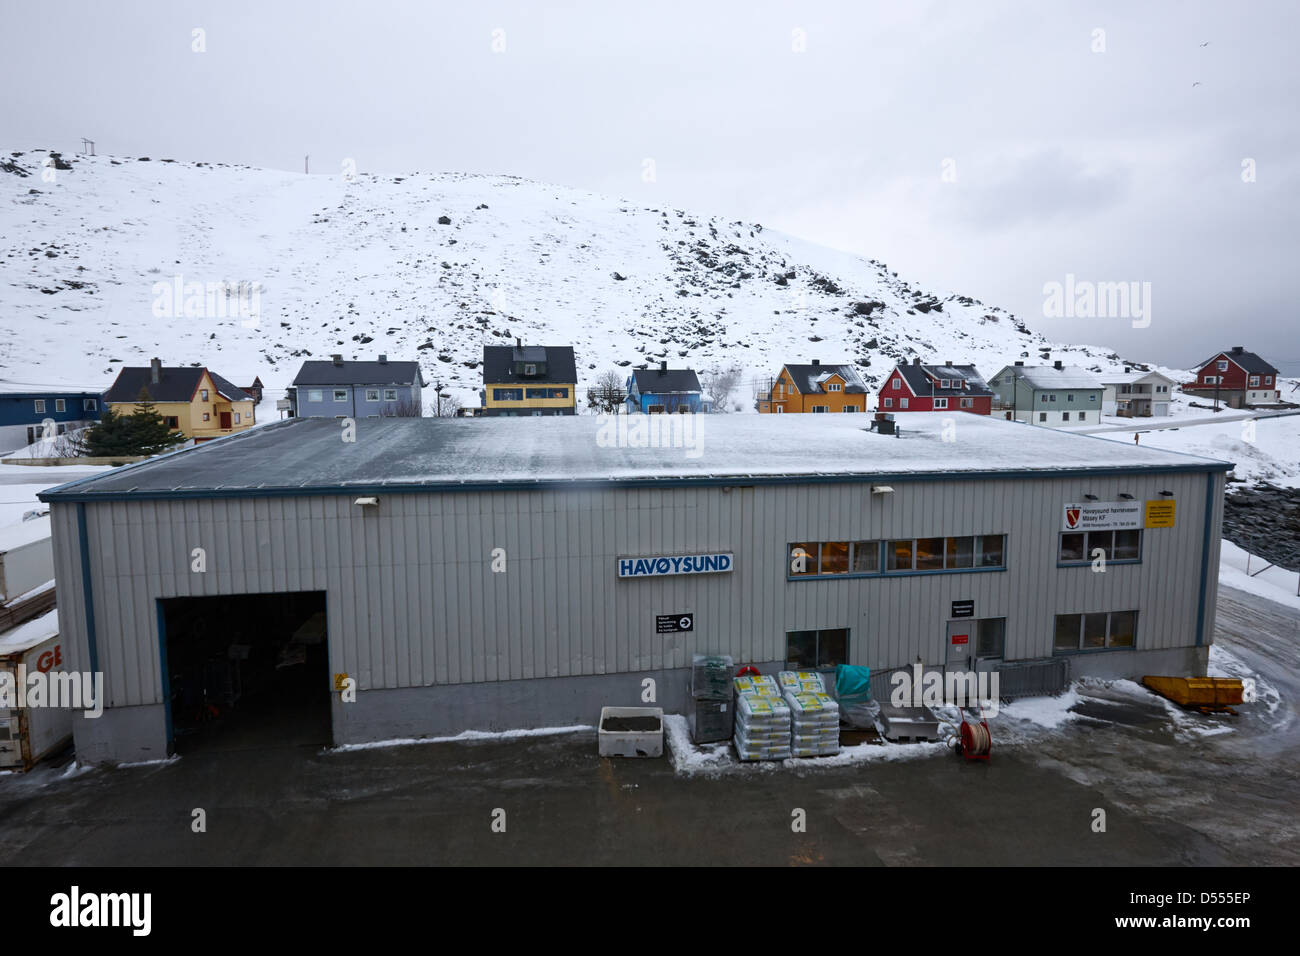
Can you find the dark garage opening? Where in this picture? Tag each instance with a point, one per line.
(247, 671)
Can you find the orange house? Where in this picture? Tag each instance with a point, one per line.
(814, 388)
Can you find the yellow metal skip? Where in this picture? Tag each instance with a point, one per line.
(1201, 693)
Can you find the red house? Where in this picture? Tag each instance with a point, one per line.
(1237, 378)
(935, 388)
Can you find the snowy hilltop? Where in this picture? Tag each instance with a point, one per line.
(96, 251)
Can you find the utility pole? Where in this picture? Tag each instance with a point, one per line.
(306, 164)
(437, 389)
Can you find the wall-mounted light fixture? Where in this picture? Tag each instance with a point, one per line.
(881, 490)
(367, 502)
(1126, 496)
(1166, 494)
(1090, 497)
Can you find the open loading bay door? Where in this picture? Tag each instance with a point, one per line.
(246, 671)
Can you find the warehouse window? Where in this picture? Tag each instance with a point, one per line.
(859, 558)
(1077, 547)
(990, 636)
(1095, 631)
(811, 650)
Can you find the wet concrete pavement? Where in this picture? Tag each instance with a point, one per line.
(1176, 790)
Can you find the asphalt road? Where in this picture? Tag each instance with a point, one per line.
(1174, 787)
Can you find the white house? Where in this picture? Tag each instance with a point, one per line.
(1132, 394)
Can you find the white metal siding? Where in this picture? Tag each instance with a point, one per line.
(412, 600)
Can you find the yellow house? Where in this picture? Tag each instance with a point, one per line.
(814, 388)
(529, 380)
(199, 404)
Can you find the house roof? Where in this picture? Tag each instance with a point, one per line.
(1132, 378)
(1049, 377)
(300, 456)
(359, 373)
(920, 379)
(498, 365)
(1248, 360)
(176, 384)
(808, 379)
(661, 381)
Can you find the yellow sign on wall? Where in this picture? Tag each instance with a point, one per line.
(1160, 513)
(340, 681)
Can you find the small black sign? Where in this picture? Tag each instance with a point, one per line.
(963, 608)
(673, 623)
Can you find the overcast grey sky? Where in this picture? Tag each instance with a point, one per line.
(1060, 158)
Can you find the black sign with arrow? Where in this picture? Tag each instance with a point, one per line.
(674, 623)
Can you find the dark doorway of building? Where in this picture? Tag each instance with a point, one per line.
(247, 671)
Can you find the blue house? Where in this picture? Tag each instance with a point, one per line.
(663, 390)
(339, 389)
(24, 410)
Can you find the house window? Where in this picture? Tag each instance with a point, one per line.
(902, 403)
(968, 403)
(850, 408)
(1065, 416)
(990, 636)
(810, 650)
(1268, 379)
(203, 394)
(889, 403)
(40, 406)
(372, 394)
(1254, 381)
(1069, 397)
(172, 421)
(1092, 397)
(834, 387)
(508, 394)
(315, 395)
(821, 408)
(530, 369)
(944, 383)
(1095, 631)
(655, 409)
(1042, 416)
(390, 394)
(340, 394)
(60, 405)
(90, 404)
(940, 403)
(1042, 398)
(780, 409)
(236, 418)
(1053, 397)
(206, 416)
(1077, 547)
(898, 383)
(1221, 366)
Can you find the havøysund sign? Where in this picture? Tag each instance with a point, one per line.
(664, 565)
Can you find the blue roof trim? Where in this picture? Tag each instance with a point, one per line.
(70, 492)
(87, 589)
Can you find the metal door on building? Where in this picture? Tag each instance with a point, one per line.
(961, 645)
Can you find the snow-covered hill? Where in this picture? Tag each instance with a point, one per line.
(435, 267)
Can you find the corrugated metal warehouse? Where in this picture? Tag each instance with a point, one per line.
(494, 574)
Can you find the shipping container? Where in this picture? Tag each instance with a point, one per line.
(28, 734)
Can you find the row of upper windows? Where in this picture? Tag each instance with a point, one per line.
(1253, 382)
(893, 556)
(938, 403)
(341, 395)
(61, 405)
(948, 383)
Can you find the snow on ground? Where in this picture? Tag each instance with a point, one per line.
(1262, 449)
(467, 735)
(1276, 584)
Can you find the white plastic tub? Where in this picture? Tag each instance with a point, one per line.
(644, 738)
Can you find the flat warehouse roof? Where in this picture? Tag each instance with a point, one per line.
(309, 455)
